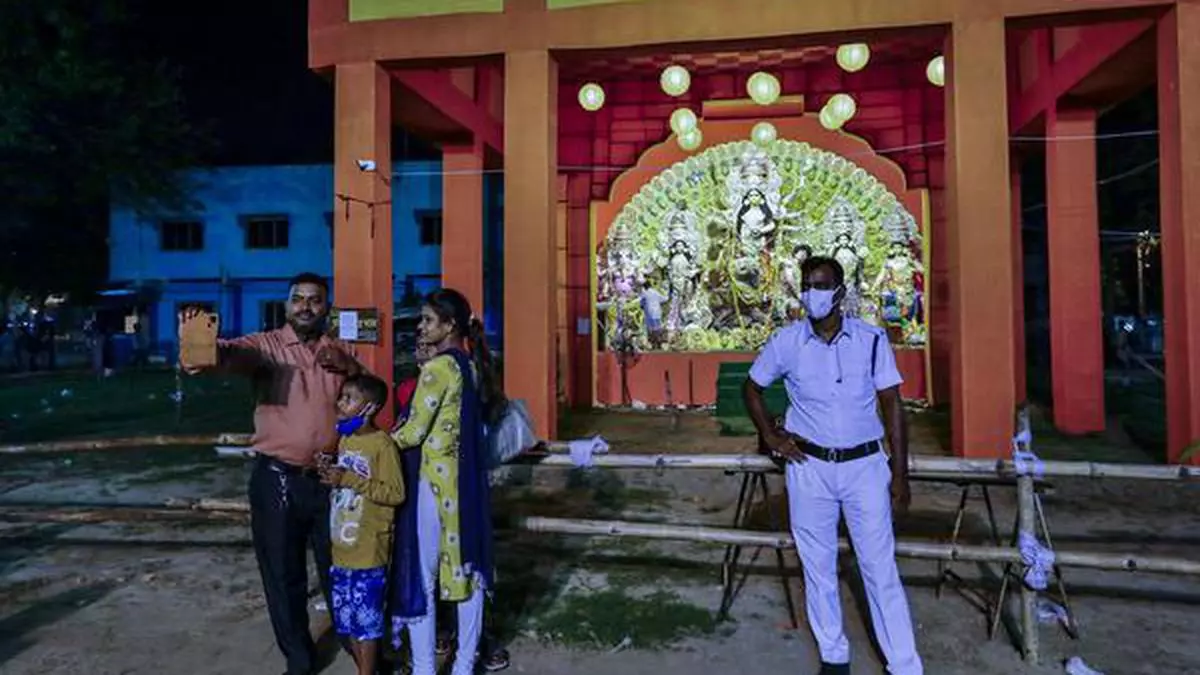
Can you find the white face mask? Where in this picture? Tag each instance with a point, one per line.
(819, 302)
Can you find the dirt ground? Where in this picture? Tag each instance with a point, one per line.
(185, 598)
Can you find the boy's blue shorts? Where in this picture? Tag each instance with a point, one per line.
(358, 598)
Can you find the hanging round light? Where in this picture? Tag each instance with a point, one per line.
(675, 80)
(683, 120)
(936, 71)
(853, 57)
(591, 97)
(691, 139)
(763, 88)
(763, 133)
(842, 106)
(829, 120)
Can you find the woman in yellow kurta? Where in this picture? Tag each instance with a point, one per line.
(452, 532)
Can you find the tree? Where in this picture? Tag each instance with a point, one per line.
(87, 119)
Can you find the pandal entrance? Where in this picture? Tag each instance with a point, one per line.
(718, 239)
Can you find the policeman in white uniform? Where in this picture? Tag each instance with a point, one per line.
(839, 371)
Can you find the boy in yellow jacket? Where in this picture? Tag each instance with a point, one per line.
(368, 485)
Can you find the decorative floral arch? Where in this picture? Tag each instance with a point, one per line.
(709, 246)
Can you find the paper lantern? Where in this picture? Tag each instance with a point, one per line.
(675, 80)
(842, 106)
(853, 57)
(691, 139)
(591, 97)
(763, 88)
(763, 133)
(683, 121)
(829, 120)
(936, 71)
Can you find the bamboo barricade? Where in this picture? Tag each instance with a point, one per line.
(235, 509)
(920, 468)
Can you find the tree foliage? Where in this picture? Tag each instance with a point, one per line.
(87, 119)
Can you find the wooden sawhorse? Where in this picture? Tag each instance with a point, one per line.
(753, 483)
(993, 606)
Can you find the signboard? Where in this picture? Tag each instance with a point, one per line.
(355, 325)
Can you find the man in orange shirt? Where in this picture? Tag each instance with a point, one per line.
(297, 373)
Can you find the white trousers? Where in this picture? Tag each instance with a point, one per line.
(423, 633)
(818, 493)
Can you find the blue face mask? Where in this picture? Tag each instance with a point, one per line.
(350, 425)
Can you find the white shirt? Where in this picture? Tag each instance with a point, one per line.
(831, 391)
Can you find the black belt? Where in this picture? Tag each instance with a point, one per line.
(838, 455)
(271, 464)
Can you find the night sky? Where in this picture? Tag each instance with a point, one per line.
(244, 75)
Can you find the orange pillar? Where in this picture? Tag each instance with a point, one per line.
(1021, 392)
(979, 240)
(1179, 218)
(1073, 250)
(530, 229)
(362, 251)
(462, 221)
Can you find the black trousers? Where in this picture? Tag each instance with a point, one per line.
(289, 512)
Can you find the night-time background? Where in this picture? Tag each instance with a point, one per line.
(132, 90)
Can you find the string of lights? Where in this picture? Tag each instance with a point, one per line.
(607, 168)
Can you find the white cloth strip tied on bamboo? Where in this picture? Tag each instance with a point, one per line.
(1038, 561)
(1025, 462)
(583, 451)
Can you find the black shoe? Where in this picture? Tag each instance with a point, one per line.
(835, 668)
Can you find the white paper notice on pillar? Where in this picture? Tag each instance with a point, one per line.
(348, 325)
(583, 326)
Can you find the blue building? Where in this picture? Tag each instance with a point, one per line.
(251, 229)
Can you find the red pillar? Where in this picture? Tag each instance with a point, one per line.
(462, 221)
(530, 229)
(1179, 218)
(1019, 364)
(1073, 239)
(979, 240)
(579, 289)
(362, 252)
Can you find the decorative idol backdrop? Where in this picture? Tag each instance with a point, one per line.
(712, 247)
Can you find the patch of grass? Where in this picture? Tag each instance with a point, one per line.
(145, 465)
(1141, 409)
(132, 403)
(606, 618)
(599, 493)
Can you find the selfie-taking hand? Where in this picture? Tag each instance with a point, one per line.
(187, 317)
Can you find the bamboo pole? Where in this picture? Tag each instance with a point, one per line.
(234, 509)
(919, 466)
(117, 514)
(1025, 519)
(905, 548)
(83, 445)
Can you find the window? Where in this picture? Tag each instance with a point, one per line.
(274, 315)
(181, 235)
(429, 224)
(266, 231)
